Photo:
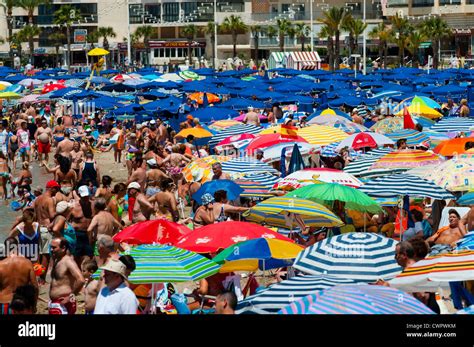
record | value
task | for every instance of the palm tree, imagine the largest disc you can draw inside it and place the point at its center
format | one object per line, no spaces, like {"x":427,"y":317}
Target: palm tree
{"x":334,"y":19}
{"x":383,"y":34}
{"x":235,"y":26}
{"x":355,"y":27}
{"x":57,"y":38}
{"x":8,"y":7}
{"x":436,"y":29}
{"x":302,"y":31}
{"x":190,"y":31}
{"x":17,"y":39}
{"x":92,"y":37}
{"x":105,"y":33}
{"x":415,"y":39}
{"x":145,"y":32}
{"x":271,"y":32}
{"x":284,"y":28}
{"x":256,"y":30}
{"x":401,"y":28}
{"x":65,"y":16}
{"x":327,"y":32}
{"x":30,"y":6}
{"x":210,"y":30}
{"x":28,"y":33}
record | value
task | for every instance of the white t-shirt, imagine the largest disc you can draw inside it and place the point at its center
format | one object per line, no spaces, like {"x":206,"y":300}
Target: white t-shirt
{"x":411,"y":232}
{"x":3,"y":139}
{"x":121,"y":300}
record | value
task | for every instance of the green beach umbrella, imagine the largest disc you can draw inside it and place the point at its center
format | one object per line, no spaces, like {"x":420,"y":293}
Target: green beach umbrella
{"x":329,"y":192}
{"x":163,"y":263}
{"x":285,"y":212}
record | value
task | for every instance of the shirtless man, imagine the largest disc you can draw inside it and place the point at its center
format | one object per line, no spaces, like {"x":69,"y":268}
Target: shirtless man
{"x":162,"y":132}
{"x":450,"y":234}
{"x":45,"y":209}
{"x":252,"y":117}
{"x":139,"y":207}
{"x":218,"y":174}
{"x":81,"y":216}
{"x":43,"y":138}
{"x":467,"y":221}
{"x":15,"y":271}
{"x":139,"y":173}
{"x":58,"y":131}
{"x":66,"y":146}
{"x":103,"y":222}
{"x":66,"y":279}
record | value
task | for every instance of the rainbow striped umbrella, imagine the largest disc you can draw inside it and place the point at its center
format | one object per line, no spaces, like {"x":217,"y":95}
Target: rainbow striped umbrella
{"x":436,"y":271}
{"x":223,"y":124}
{"x":358,"y":299}
{"x":257,"y":185}
{"x":162,"y":263}
{"x":287,"y":212}
{"x":406,"y":160}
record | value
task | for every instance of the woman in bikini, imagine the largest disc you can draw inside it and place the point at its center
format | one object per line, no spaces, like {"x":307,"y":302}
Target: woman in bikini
{"x":77,"y":157}
{"x":4,"y":174}
{"x":27,"y":232}
{"x":24,"y":179}
{"x":58,"y":132}
{"x":116,"y":200}
{"x":175,"y":162}
{"x":106,"y":190}
{"x":13,"y":149}
{"x":166,"y":201}
{"x":63,"y":174}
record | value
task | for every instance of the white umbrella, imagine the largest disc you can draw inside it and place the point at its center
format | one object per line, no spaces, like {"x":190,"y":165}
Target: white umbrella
{"x":273,"y":153}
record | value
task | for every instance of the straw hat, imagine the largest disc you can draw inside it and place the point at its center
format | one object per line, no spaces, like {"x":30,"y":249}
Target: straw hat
{"x":116,"y":266}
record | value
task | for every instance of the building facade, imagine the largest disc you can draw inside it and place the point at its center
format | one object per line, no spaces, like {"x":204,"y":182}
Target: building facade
{"x":169,"y":17}
{"x":459,"y":14}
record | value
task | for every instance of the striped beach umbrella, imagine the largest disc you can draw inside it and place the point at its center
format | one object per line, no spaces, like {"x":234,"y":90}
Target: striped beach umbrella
{"x":436,"y":271}
{"x":306,"y":177}
{"x":292,"y":212}
{"x":238,"y":167}
{"x":233,"y":130}
{"x":279,"y":295}
{"x":404,"y":159}
{"x":223,"y":124}
{"x":455,"y":175}
{"x":466,"y":199}
{"x":321,"y":134}
{"x":360,"y":167}
{"x":331,"y":152}
{"x":413,"y":137}
{"x":358,"y":299}
{"x":160,"y":263}
{"x":188,"y":75}
{"x":257,"y":184}
{"x":459,"y":124}
{"x":350,"y":127}
{"x":404,"y":184}
{"x":364,"y":257}
{"x":75,"y":83}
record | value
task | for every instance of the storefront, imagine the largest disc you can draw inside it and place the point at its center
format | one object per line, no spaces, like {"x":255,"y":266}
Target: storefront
{"x":165,"y":52}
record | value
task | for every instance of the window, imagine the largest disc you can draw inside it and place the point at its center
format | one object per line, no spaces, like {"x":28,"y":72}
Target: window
{"x":423,"y":3}
{"x":397,"y":3}
{"x":46,"y":13}
{"x":181,"y":52}
{"x":171,"y":12}
{"x":449,"y":2}
{"x":152,"y":13}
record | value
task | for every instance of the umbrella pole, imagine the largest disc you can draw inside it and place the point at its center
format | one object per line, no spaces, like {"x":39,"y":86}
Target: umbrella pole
{"x":264,"y":275}
{"x":401,"y":220}
{"x":365,"y":224}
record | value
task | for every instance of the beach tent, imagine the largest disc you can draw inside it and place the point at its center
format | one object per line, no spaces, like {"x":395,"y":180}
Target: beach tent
{"x":277,"y":59}
{"x":303,"y":61}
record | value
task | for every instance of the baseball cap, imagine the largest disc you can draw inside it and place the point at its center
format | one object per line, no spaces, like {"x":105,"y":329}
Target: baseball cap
{"x":151,"y":162}
{"x":83,"y":191}
{"x":152,"y":121}
{"x":139,"y":126}
{"x":133,"y":135}
{"x":116,"y":266}
{"x":62,"y":206}
{"x":52,"y":184}
{"x":134,"y":185}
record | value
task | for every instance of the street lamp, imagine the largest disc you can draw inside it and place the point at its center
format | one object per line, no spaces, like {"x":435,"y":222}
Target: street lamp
{"x":129,"y":43}
{"x":215,"y":35}
{"x":355,"y":56}
{"x":364,"y":45}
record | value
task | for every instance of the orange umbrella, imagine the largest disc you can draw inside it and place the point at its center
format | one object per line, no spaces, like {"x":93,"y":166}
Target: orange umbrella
{"x":199,"y":96}
{"x":449,"y":148}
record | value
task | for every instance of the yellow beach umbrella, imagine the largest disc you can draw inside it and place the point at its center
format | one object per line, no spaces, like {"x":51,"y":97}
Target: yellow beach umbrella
{"x":97,"y":52}
{"x":421,"y":110}
{"x":271,"y":130}
{"x":196,"y":132}
{"x":10,"y":95}
{"x":321,"y":134}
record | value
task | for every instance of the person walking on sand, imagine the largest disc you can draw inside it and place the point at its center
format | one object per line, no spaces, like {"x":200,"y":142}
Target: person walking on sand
{"x":66,"y":279}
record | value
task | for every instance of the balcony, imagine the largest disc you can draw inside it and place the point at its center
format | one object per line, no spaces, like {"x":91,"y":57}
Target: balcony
{"x":267,"y":42}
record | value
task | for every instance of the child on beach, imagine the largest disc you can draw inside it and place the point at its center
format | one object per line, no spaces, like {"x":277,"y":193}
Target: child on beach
{"x":91,"y":287}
